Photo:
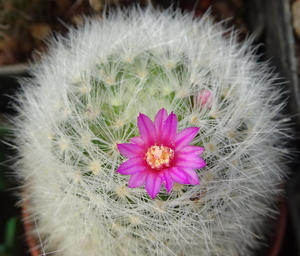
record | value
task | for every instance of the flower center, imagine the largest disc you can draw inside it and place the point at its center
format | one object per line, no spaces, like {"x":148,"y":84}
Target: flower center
{"x":159,"y":156}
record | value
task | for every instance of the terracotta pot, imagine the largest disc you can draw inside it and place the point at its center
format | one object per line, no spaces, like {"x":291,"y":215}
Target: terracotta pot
{"x":276,"y":240}
{"x":28,"y":227}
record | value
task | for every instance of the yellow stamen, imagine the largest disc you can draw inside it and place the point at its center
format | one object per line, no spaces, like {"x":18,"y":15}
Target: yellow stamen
{"x":159,"y":157}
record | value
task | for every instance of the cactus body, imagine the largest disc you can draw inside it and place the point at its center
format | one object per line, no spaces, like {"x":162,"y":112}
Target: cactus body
{"x":84,"y":99}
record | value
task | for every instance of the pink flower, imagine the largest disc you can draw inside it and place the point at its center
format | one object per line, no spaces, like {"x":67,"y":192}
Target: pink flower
{"x":161,"y":155}
{"x":205,"y":98}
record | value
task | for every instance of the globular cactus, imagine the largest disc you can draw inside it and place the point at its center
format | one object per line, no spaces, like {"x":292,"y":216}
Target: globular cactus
{"x":89,"y":110}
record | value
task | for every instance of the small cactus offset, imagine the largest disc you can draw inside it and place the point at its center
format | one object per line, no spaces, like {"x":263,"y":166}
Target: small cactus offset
{"x":150,"y":133}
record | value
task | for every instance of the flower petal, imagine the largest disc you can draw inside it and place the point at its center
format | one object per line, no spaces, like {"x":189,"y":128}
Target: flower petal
{"x":137,"y":140}
{"x":159,"y":119}
{"x":153,"y":184}
{"x":130,"y":150}
{"x":137,"y":179}
{"x":169,"y":129}
{"x":192,"y":176}
{"x":184,"y":137}
{"x":190,"y":161}
{"x":178,"y":175}
{"x":147,"y":129}
{"x":190,"y":149}
{"x":166,"y":180}
{"x":132,"y":165}
{"x":161,"y":132}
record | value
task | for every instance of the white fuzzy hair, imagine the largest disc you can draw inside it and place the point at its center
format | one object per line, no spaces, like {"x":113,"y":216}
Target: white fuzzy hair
{"x":84,"y":98}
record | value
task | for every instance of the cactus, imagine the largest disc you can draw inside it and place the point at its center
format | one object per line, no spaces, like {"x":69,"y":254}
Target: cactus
{"x":79,"y":121}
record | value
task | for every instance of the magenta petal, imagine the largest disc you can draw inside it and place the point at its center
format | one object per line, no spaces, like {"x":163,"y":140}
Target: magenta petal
{"x":147,"y":129}
{"x":189,"y":161}
{"x":184,"y":137}
{"x":191,"y":150}
{"x":192,"y":176}
{"x":178,"y":175}
{"x":159,"y":119}
{"x":137,"y":140}
{"x":153,"y":184}
{"x":159,"y":135}
{"x":130,"y":150}
{"x":166,"y":180}
{"x":132,"y":165}
{"x":168,"y":132}
{"x":137,"y":179}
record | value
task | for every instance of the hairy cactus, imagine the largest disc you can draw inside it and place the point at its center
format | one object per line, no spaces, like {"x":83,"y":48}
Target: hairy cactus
{"x":79,"y":113}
